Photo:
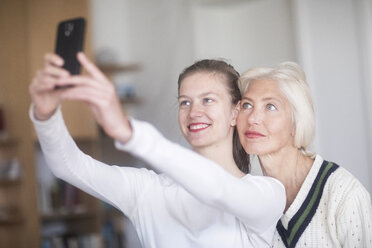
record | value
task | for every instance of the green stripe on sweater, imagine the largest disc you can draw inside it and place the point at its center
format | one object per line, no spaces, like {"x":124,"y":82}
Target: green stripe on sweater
{"x":310,"y":205}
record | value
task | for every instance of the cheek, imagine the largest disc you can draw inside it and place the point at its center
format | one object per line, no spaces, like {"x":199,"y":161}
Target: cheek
{"x":181,"y":118}
{"x":281,"y":128}
{"x":217,"y":113}
{"x":240,"y":121}
{"x":240,"y":124}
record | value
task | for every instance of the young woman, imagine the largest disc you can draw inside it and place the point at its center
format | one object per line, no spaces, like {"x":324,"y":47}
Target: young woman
{"x":197,"y":201}
{"x":326,"y":206}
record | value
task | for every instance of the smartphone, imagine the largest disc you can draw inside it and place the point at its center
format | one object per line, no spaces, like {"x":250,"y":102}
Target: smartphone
{"x":69,"y":41}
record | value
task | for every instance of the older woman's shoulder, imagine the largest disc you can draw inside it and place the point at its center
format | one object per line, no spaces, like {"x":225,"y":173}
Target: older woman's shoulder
{"x":345,"y":186}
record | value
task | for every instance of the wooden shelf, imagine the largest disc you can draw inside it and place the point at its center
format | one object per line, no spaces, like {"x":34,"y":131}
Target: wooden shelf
{"x":68,"y":215}
{"x":116,"y":68}
{"x":9,"y":182}
{"x":131,"y":100}
{"x":11,"y":221}
{"x":10,"y":216}
{"x":8,"y":142}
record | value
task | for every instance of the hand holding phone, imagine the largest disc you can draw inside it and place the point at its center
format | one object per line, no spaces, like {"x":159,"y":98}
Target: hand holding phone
{"x":70,"y":41}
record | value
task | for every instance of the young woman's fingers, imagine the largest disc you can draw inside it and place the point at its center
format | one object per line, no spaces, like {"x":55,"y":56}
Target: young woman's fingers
{"x":53,"y":59}
{"x":91,"y":68}
{"x":105,"y":107}
{"x":55,"y":71}
{"x":43,"y":82}
{"x":77,"y":81}
{"x":84,"y":93}
{"x":93,"y":96}
{"x":88,"y":81}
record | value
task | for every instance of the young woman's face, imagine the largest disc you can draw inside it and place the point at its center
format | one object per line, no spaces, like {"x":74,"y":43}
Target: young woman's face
{"x":265,"y":119}
{"x":206,"y":115}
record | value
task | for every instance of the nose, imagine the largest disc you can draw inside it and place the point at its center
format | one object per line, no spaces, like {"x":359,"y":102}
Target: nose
{"x":254,"y":117}
{"x":195,"y":110}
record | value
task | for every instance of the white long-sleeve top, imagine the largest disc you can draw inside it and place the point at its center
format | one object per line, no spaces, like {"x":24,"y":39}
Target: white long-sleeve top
{"x":327,"y":212}
{"x":193,"y":203}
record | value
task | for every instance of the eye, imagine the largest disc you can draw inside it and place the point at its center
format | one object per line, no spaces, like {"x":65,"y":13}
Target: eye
{"x":184,"y":103}
{"x":246,"y":105}
{"x":207,"y":100}
{"x":271,"y":107}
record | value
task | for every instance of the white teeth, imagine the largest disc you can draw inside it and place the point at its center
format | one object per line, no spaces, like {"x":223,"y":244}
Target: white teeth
{"x":198,"y":126}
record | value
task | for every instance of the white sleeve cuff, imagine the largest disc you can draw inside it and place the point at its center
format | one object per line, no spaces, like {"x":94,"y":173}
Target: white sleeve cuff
{"x":133,"y":142}
{"x":56,"y":115}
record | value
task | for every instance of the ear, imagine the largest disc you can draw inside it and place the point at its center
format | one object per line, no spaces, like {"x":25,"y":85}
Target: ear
{"x":235,"y":113}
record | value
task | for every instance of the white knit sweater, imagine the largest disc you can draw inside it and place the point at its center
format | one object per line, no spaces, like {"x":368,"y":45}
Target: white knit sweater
{"x":343,"y":217}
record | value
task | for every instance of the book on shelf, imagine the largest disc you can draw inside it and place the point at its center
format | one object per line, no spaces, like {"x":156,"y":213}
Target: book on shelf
{"x":10,"y":169}
{"x":55,"y":196}
{"x":60,"y":198}
{"x":113,"y":233}
{"x":9,"y":214}
{"x":87,"y":240}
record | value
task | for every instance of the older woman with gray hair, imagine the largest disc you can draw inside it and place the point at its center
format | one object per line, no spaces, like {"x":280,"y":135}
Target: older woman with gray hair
{"x":326,"y":206}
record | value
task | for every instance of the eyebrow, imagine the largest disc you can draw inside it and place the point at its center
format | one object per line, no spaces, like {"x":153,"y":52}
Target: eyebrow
{"x":201,"y":95}
{"x":266,"y":99}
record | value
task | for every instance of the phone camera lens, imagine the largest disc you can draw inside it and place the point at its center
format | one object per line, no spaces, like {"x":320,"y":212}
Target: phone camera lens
{"x":69,"y":27}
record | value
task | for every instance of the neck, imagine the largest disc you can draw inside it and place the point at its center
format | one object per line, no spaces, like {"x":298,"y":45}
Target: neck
{"x":290,"y":167}
{"x":222,"y":154}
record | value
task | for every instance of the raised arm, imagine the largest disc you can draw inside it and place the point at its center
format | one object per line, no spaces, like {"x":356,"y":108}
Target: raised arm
{"x":64,"y":157}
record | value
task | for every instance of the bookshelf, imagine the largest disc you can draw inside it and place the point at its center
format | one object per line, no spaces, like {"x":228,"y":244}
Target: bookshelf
{"x":112,"y":68}
{"x":30,"y":27}
{"x":65,"y":212}
{"x":19,"y":226}
{"x":30,"y":214}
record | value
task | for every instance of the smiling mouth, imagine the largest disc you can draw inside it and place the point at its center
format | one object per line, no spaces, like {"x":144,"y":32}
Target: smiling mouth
{"x":253,"y":135}
{"x":197,"y":127}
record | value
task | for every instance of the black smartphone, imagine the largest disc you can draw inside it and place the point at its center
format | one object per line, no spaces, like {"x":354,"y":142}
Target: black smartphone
{"x":69,"y":41}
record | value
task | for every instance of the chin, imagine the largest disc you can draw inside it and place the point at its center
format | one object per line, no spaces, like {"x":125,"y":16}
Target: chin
{"x":253,"y":150}
{"x":196,"y":143}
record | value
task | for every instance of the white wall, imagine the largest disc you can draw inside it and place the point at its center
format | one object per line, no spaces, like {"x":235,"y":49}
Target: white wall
{"x":247,"y":33}
{"x":364,"y":30}
{"x":330,"y":41}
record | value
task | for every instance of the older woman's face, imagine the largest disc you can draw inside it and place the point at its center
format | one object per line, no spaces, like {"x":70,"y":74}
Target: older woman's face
{"x":265,"y":119}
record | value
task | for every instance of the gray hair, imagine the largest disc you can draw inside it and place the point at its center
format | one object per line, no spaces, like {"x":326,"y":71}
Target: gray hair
{"x":292,"y":82}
